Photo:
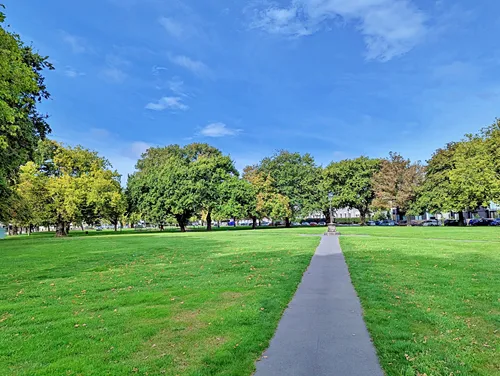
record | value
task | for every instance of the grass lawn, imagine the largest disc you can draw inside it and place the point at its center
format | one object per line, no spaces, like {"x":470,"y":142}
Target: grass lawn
{"x":431,"y":298}
{"x":208,"y":303}
{"x":145,"y":304}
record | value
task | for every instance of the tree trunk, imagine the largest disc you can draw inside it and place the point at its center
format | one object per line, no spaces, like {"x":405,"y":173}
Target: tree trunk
{"x":81,"y":226}
{"x":14,"y":230}
{"x":461,"y":219}
{"x":254,"y":222}
{"x":287,"y":222}
{"x":209,"y":221}
{"x":60,"y":229}
{"x":116,"y":226}
{"x":68,"y":225}
{"x":362,"y":218}
{"x":181,"y":222}
{"x":234,"y":222}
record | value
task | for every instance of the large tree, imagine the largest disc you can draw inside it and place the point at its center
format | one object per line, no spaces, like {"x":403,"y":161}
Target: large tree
{"x":238,"y":200}
{"x":294,"y":176}
{"x":67,"y":181}
{"x":397,"y":182}
{"x":463,"y":175}
{"x":179,"y":181}
{"x":210,"y":169}
{"x":268,"y":202}
{"x":351,"y":181}
{"x":22,"y":87}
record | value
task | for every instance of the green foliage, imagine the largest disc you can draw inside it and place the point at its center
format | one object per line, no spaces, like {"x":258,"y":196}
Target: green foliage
{"x":179,"y":181}
{"x":295,"y":177}
{"x":351,"y":182}
{"x":69,"y":185}
{"x":21,"y":125}
{"x":238,"y":199}
{"x":464,"y":175}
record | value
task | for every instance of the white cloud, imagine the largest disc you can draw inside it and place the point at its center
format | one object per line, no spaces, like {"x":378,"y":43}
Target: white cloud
{"x":171,"y":103}
{"x":172,"y":27}
{"x":115,"y":68}
{"x":218,"y":130}
{"x":390,"y":27}
{"x":72,"y":72}
{"x":195,"y":66}
{"x":138,"y":148}
{"x":176,"y":85}
{"x":78,"y":45}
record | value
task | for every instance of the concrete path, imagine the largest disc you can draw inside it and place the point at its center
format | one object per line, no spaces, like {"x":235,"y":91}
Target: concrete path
{"x":322,"y":331}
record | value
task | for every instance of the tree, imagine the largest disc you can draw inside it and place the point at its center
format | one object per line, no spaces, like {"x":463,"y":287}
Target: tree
{"x":436,"y":194}
{"x":22,"y":87}
{"x":463,"y":175}
{"x":268,"y":203}
{"x":396,"y":183}
{"x":210,"y":170}
{"x":106,"y":198}
{"x":351,"y":182}
{"x":179,"y":181}
{"x":295,"y":177}
{"x":67,"y":181}
{"x":238,"y":199}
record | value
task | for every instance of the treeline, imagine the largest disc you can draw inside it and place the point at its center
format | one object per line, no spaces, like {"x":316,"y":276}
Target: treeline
{"x":179,"y":184}
{"x":45,"y":183}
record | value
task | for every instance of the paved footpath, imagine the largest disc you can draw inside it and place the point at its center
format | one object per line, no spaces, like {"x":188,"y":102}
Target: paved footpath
{"x":322,"y":331}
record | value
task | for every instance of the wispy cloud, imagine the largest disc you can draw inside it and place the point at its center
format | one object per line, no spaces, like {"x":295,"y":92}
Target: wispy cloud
{"x":113,"y":74}
{"x":218,"y":130}
{"x":115,"y":68}
{"x":173,"y":27}
{"x":390,"y":27}
{"x":78,"y":45}
{"x":72,"y":72}
{"x":176,"y":86}
{"x":167,"y":103}
{"x":135,"y":149}
{"x":195,"y":66}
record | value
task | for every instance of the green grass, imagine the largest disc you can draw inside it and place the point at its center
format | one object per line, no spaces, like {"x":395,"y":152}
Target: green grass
{"x":145,"y":304}
{"x":432,"y":306}
{"x":208,"y":303}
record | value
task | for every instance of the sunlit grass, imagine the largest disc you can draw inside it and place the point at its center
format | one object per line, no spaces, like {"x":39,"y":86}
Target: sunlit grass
{"x":191,"y":304}
{"x":432,"y":306}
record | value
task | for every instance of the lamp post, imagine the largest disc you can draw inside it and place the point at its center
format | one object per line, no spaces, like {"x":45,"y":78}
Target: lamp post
{"x":332,"y":229}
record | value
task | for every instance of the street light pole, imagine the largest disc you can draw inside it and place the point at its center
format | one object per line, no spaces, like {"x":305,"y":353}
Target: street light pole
{"x":332,"y":229}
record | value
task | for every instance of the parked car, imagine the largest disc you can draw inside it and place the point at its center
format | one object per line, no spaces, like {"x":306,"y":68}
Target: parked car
{"x":387,"y":222}
{"x":371,"y":223}
{"x":451,"y":222}
{"x":322,"y":224}
{"x":430,"y":222}
{"x":264,"y":224}
{"x":99,"y":228}
{"x":313,"y":224}
{"x":295,"y":224}
{"x":305,"y":223}
{"x":495,"y":222}
{"x":480,"y":222}
{"x":403,"y":223}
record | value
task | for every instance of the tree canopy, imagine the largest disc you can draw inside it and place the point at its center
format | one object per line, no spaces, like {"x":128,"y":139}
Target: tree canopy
{"x":295,"y":177}
{"x":351,"y":182}
{"x":22,"y":87}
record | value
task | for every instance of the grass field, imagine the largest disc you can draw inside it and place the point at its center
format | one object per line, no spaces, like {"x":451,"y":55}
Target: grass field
{"x":432,"y":306}
{"x":208,"y":303}
{"x":145,"y":304}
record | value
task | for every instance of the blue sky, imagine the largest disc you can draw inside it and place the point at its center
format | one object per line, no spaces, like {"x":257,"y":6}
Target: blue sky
{"x":336,"y":78}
